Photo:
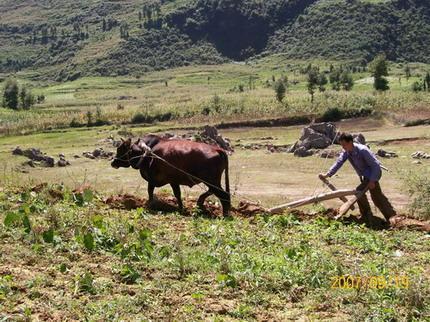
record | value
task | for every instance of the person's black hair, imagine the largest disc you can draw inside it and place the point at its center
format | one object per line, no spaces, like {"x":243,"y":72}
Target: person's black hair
{"x":346,"y":137}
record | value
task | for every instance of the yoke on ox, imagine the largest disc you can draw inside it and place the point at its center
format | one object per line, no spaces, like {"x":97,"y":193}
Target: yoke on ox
{"x":177,"y":162}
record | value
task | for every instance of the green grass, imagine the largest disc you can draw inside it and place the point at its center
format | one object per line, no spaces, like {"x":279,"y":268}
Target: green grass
{"x":97,"y":263}
{"x":76,"y":258}
{"x":193,"y":92}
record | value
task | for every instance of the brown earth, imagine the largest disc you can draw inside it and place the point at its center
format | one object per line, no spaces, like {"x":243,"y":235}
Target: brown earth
{"x":247,"y":209}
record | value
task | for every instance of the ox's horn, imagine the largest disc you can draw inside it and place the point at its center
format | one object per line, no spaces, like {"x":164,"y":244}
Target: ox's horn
{"x":144,"y":147}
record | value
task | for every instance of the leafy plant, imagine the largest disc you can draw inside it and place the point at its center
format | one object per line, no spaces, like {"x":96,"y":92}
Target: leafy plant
{"x":88,"y":240}
{"x":418,"y":187}
{"x":128,"y":274}
{"x":226,"y":280}
{"x":85,"y":284}
{"x":48,"y":236}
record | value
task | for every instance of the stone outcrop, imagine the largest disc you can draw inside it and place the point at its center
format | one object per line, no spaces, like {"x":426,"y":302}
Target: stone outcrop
{"x":319,"y":136}
{"x":38,"y":158}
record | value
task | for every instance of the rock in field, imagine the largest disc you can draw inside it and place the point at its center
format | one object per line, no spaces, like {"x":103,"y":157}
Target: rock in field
{"x":38,"y":158}
{"x":319,"y":136}
{"x":209,"y":135}
{"x":99,"y":153}
{"x":420,"y":155}
{"x":386,"y":154}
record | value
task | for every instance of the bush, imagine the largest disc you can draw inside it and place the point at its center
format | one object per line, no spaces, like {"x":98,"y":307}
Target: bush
{"x":75,"y":123}
{"x":141,"y":118}
{"x":417,"y":86}
{"x":146,"y":118}
{"x":418,"y":187}
{"x":335,"y":114}
{"x":280,"y":90}
{"x":10,"y":94}
{"x":332,"y":115}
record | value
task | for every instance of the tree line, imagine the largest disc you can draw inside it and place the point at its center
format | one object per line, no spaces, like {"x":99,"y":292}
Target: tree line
{"x":16,"y":97}
{"x":340,"y":78}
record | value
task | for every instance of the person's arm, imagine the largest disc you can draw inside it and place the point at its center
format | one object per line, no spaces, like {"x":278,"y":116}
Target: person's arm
{"x":337,"y":165}
{"x":373,"y":163}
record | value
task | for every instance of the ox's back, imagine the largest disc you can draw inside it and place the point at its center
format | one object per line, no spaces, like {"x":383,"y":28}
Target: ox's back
{"x":183,"y":157}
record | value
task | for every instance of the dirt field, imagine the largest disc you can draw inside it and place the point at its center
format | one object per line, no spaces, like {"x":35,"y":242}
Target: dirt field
{"x":258,"y":175}
{"x":85,"y":255}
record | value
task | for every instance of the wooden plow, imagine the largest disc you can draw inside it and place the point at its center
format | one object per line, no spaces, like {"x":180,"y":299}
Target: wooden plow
{"x":341,"y":194}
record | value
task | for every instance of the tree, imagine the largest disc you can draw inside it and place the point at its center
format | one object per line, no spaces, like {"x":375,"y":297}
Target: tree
{"x":34,"y":36}
{"x":22,"y":95}
{"x":335,"y":79}
{"x":312,"y":82}
{"x":28,"y":100}
{"x":427,"y":81}
{"x":123,"y":30}
{"x":280,"y":90}
{"x":407,"y":72}
{"x":10,"y":94}
{"x":379,"y":69}
{"x":45,"y":37}
{"x":417,"y":86}
{"x":322,"y":81}
{"x":346,"y":81}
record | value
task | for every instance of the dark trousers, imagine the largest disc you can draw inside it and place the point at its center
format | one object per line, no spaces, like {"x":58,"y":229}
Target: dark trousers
{"x":380,"y":201}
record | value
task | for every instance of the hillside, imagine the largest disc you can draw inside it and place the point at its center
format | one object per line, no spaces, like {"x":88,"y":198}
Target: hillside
{"x":64,"y":40}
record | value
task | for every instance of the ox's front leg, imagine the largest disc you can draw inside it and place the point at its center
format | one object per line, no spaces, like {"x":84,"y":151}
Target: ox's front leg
{"x":151,"y":188}
{"x":177,"y":192}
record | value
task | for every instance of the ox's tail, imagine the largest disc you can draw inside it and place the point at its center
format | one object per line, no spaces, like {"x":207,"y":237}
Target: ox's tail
{"x":227,"y":180}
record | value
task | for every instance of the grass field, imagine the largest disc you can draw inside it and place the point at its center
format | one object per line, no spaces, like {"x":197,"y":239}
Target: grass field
{"x":70,"y":256}
{"x":268,"y":177}
{"x":207,"y":94}
{"x":80,"y":259}
{"x":104,"y":264}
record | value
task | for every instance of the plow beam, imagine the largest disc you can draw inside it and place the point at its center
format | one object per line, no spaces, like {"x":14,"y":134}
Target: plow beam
{"x":314,"y":199}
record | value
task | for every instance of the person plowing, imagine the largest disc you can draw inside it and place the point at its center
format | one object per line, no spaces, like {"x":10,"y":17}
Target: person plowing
{"x":369,"y":170}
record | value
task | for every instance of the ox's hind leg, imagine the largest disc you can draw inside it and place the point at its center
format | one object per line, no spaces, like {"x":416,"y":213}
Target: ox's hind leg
{"x":177,"y":192}
{"x":223,"y":196}
{"x":203,"y":197}
{"x":225,"y":199}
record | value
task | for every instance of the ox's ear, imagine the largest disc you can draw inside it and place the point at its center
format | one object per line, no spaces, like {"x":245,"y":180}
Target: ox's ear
{"x":128,"y":141}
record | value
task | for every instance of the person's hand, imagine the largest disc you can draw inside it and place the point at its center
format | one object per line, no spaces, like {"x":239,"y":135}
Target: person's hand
{"x":372,"y":185}
{"x":323,"y":175}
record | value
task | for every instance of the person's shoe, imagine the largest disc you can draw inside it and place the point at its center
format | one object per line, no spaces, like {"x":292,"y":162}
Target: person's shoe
{"x":378,"y":224}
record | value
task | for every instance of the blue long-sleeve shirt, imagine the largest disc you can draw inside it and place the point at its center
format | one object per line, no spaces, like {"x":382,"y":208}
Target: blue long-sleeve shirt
{"x":363,"y":161}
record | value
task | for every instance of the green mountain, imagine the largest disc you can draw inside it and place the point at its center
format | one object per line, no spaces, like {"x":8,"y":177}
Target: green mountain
{"x":64,"y":40}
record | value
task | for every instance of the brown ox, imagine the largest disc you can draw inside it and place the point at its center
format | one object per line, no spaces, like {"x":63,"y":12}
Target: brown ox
{"x":188,"y":163}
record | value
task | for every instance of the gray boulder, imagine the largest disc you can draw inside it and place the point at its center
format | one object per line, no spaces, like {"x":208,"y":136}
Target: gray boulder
{"x":386,"y":154}
{"x":314,"y":136}
{"x":420,"y":155}
{"x":359,"y":138}
{"x":326,"y":129}
{"x":303,"y":152}
{"x":320,"y":136}
{"x":36,"y":157}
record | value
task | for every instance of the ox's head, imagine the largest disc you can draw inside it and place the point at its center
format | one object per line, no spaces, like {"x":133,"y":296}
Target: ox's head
{"x":123,"y":155}
{"x":130,"y":154}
